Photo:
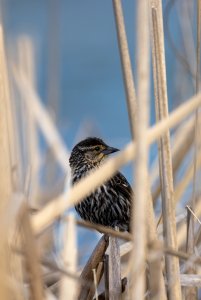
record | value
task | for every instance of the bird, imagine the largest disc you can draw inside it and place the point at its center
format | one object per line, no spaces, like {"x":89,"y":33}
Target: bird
{"x":110,"y":204}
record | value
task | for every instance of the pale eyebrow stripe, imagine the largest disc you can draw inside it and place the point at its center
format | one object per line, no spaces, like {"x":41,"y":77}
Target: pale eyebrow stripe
{"x":91,"y":147}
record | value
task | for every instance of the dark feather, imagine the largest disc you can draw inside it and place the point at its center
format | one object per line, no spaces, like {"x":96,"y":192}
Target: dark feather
{"x":110,"y":204}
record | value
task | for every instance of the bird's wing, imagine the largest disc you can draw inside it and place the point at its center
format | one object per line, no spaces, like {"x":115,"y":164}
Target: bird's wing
{"x":122,"y":186}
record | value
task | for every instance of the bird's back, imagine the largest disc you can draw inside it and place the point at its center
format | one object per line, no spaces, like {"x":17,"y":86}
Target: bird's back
{"x":109,"y":205}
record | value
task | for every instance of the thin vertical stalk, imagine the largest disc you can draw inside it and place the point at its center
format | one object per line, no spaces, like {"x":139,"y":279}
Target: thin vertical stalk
{"x":106,"y":276}
{"x":190,"y":292}
{"x":92,"y":263}
{"x":197,"y":143}
{"x":185,"y":181}
{"x":26,"y":66}
{"x":198,"y":46}
{"x":114,"y":269}
{"x":182,"y":142}
{"x":68,"y":288}
{"x":126,"y":64}
{"x":181,"y":234}
{"x":165,"y":161}
{"x":11,"y":265}
{"x":53,"y":67}
{"x":95,"y":284}
{"x":5,"y":167}
{"x":184,"y":11}
{"x":139,"y":212}
{"x":31,"y":256}
{"x":98,"y":275}
{"x":157,"y":286}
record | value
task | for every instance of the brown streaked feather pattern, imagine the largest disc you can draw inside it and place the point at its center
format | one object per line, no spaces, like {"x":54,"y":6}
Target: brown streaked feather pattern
{"x":110,"y":204}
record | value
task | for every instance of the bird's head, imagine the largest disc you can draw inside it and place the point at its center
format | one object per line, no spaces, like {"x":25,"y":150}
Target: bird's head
{"x":90,"y":152}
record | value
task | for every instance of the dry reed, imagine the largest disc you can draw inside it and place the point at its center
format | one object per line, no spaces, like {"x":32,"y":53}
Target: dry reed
{"x":126,"y":64}
{"x":137,"y":288}
{"x":11,"y":271}
{"x":68,"y":286}
{"x":165,"y":160}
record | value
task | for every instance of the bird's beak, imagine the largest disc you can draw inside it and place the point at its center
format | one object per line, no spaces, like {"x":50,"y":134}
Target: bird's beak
{"x":109,"y":150}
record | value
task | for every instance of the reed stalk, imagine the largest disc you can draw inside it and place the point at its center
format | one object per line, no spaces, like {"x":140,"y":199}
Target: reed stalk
{"x":31,"y":257}
{"x":126,"y":64}
{"x":191,"y":293}
{"x":165,"y":160}
{"x":26,"y":65}
{"x":11,"y":271}
{"x":68,"y":287}
{"x":138,"y":255}
{"x":114,"y":265}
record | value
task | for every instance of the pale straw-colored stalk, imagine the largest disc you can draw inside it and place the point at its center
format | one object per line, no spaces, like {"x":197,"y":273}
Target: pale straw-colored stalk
{"x":138,"y":255}
{"x":26,"y":65}
{"x":191,"y":292}
{"x":157,"y":285}
{"x":181,"y":143}
{"x":181,"y":234}
{"x":92,"y":263}
{"x":197,"y":142}
{"x":114,"y":269}
{"x":68,"y":287}
{"x":126,"y":64}
{"x":185,"y":180}
{"x":8,"y":260}
{"x":53,"y":57}
{"x":32,"y":264}
{"x":165,"y":160}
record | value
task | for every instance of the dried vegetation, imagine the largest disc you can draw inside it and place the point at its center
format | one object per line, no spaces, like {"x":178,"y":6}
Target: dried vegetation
{"x":160,"y":259}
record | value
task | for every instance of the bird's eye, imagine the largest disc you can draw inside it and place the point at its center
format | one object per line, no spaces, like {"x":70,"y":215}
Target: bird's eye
{"x":97,"y":148}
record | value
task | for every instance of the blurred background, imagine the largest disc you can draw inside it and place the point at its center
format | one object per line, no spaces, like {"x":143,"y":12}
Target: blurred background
{"x":77,"y":77}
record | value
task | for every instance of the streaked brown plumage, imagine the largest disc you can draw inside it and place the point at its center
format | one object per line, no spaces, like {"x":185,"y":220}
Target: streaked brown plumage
{"x":110,"y":204}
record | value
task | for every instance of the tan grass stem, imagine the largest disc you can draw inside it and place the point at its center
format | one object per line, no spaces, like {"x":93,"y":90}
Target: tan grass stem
{"x":165,"y":159}
{"x":31,"y":256}
{"x":138,"y":255}
{"x":8,"y":160}
{"x":126,"y":64}
{"x":68,"y":286}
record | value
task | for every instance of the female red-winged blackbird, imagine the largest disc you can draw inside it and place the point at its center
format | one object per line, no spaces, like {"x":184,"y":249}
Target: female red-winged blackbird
{"x":110,"y":204}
